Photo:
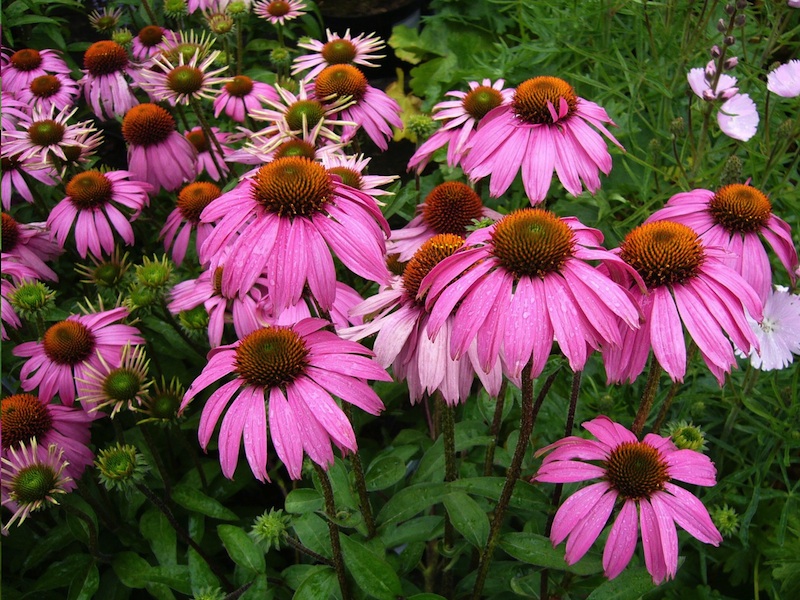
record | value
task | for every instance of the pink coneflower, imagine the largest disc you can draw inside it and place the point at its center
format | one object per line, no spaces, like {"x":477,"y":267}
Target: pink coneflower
{"x":69,"y":347}
{"x":778,"y":333}
{"x":400,"y":319}
{"x":31,"y":479}
{"x":12,"y":110}
{"x":688,"y":284}
{"x":450,"y":207}
{"x":105,"y":87}
{"x":546,"y":127}
{"x":287,"y":375}
{"x":522,"y":284}
{"x":23,"y":66}
{"x":26,"y":417}
{"x":241,"y":95}
{"x":93,"y":204}
{"x":284,"y":220}
{"x":105,"y":20}
{"x":149,"y":41}
{"x":29,"y":244}
{"x":117,"y":385}
{"x":183,"y":81}
{"x":733,"y":217}
{"x":338,"y":50}
{"x":18,"y":273}
{"x":351,"y":170}
{"x":371,"y":108}
{"x":50,"y":90}
{"x":340,"y":313}
{"x":785,"y":79}
{"x":191,"y":201}
{"x":278,"y":12}
{"x":157,"y":153}
{"x":13,"y":181}
{"x":263,"y":147}
{"x":45,"y":132}
{"x":639,"y":474}
{"x":461,"y":118}
{"x":205,"y":147}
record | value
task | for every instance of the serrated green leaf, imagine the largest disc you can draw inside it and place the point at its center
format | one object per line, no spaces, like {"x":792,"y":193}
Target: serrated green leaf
{"x":303,"y":500}
{"x":241,"y":548}
{"x":468,"y":518}
{"x":537,"y":550}
{"x":371,"y":572}
{"x":193,"y":499}
{"x":384,"y":472}
{"x":319,"y":585}
{"x":156,"y":529}
{"x":409,"y":501}
{"x":631,"y":584}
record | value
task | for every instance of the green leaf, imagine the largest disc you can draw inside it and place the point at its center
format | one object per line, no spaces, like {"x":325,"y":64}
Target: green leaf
{"x":537,"y":550}
{"x":371,"y":572}
{"x":156,"y":529}
{"x":131,"y":569}
{"x":242,"y":550}
{"x":193,"y":499}
{"x":409,"y":501}
{"x":525,"y":495}
{"x":319,"y":585}
{"x":200,"y":574}
{"x":84,"y":583}
{"x":174,"y":576}
{"x":257,"y":591}
{"x":426,"y":596}
{"x":313,"y":532}
{"x":420,"y":529}
{"x":631,"y":584}
{"x":384,"y":472}
{"x":303,"y":500}
{"x":468,"y":518}
{"x":59,"y":574}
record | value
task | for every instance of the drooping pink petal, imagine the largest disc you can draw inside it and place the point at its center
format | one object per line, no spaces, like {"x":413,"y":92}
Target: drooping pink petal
{"x":621,"y":541}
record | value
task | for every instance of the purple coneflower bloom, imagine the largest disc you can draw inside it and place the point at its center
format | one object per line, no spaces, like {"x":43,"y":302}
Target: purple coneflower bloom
{"x":29,"y":244}
{"x":340,"y":313}
{"x":149,"y":41}
{"x":640,"y":475}
{"x":45,"y":132}
{"x":50,"y":90}
{"x":119,"y":385}
{"x":778,"y":333}
{"x":105,"y":87}
{"x":546,"y":127}
{"x":461,"y":118}
{"x":278,"y":12}
{"x":181,"y":82}
{"x":241,"y":95}
{"x":13,"y":180}
{"x":286,"y":375}
{"x":191,"y":201}
{"x":351,"y":170}
{"x":68,"y":347}
{"x":785,"y":79}
{"x":23,"y":66}
{"x":338,"y":50}
{"x":523,"y":283}
{"x":207,"y":152}
{"x":18,"y":273}
{"x":688,"y":284}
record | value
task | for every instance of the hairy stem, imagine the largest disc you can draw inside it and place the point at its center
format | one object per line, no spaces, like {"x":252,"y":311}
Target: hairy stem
{"x":333,"y":530}
{"x":650,"y":389}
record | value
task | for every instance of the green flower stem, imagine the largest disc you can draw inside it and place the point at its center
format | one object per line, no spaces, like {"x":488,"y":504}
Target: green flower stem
{"x":201,"y":118}
{"x":184,"y":535}
{"x":650,"y":389}
{"x":162,"y":470}
{"x":450,"y":474}
{"x":236,"y":594}
{"x":297,"y":545}
{"x":333,"y":530}
{"x":149,"y":10}
{"x":92,"y":533}
{"x":239,"y":47}
{"x":361,"y":484}
{"x":191,"y":450}
{"x":527,"y":419}
{"x":497,"y":421}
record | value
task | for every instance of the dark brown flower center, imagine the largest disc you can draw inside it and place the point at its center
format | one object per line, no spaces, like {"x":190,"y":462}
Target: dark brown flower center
{"x":309,"y":111}
{"x":663,"y":252}
{"x":23,"y":416}
{"x":740,"y":208}
{"x":394,"y":265}
{"x":27,"y":59}
{"x":278,"y":8}
{"x":105,"y":57}
{"x":349,"y":176}
{"x":451,"y":206}
{"x":198,"y":140}
{"x":10,"y":233}
{"x":533,"y":96}
{"x":532,"y":242}
{"x":339,"y":81}
{"x":68,"y":343}
{"x":45,"y":86}
{"x":339,"y":52}
{"x":636,"y":470}
{"x":147,"y":125}
{"x":292,"y":186}
{"x":430,"y":254}
{"x":298,"y":148}
{"x":151,"y":35}
{"x":88,"y":190}
{"x":195,"y":197}
{"x":185,"y":79}
{"x":271,"y":357}
{"x":46,"y":133}
{"x":240,"y":86}
{"x":217,"y":281}
{"x":481,"y":100}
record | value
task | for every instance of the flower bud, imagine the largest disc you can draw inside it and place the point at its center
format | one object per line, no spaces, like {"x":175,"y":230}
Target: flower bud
{"x":270,"y":528}
{"x":728,"y":94}
{"x":726,"y":519}
{"x":121,"y":466}
{"x":709,"y":96}
{"x":280,"y":58}
{"x":721,"y":26}
{"x":741,"y":4}
{"x":123,"y":37}
{"x":732,"y":171}
{"x":740,"y":20}
{"x":686,"y":436}
{"x":710,"y":71}
{"x":175,"y":8}
{"x":715,"y":51}
{"x":729,"y":40}
{"x":730,"y":63}
{"x":32,"y":299}
{"x":422,"y":125}
{"x":676,"y":127}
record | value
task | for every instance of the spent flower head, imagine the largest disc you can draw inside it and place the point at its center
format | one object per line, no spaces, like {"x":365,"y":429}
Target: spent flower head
{"x":686,"y":435}
{"x":121,"y":467}
{"x":726,"y":519}
{"x":270,"y":528}
{"x":162,"y":402}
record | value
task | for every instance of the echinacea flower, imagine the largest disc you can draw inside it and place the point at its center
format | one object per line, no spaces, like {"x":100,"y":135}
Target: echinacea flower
{"x":278,"y":12}
{"x":778,"y":333}
{"x":687,"y":284}
{"x":69,"y":347}
{"x":92,"y":205}
{"x":340,"y":313}
{"x":398,"y":315}
{"x":23,"y":66}
{"x":12,"y":110}
{"x":14,"y":170}
{"x":157,"y":153}
{"x":31,"y":479}
{"x":106,"y":19}
{"x":352,"y":171}
{"x":546,"y":127}
{"x":105,"y":87}
{"x":284,"y":382}
{"x":785,"y":79}
{"x":524,"y":283}
{"x":191,"y":201}
{"x":450,"y":207}
{"x":241,"y":95}
{"x":26,"y":417}
{"x":182,"y":81}
{"x":149,"y":41}
{"x":208,"y":155}
{"x":734,"y":217}
{"x":44,"y":133}
{"x":29,"y":244}
{"x":50,"y":90}
{"x":118,"y":385}
{"x":461,"y":118}
{"x":284,"y":221}
{"x":369,"y":108}
{"x":338,"y":50}
{"x":639,"y":474}
{"x":18,"y":273}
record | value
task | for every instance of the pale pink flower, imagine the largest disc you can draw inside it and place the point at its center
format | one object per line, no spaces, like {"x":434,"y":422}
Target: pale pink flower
{"x":205,"y":148}
{"x":23,"y":66}
{"x":785,"y":79}
{"x":13,"y":180}
{"x":338,"y":50}
{"x":105,"y":85}
{"x":12,"y":110}
{"x":735,"y":217}
{"x":29,"y":244}
{"x":738,"y":117}
{"x":687,"y":284}
{"x":639,"y":475}
{"x":523,"y":283}
{"x":461,"y":118}
{"x":68,"y":347}
{"x":98,"y":204}
{"x":778,"y":333}
{"x":546,"y":127}
{"x":701,"y":80}
{"x":178,"y":227}
{"x":241,"y":95}
{"x":284,"y":380}
{"x":278,"y":12}
{"x":57,"y":90}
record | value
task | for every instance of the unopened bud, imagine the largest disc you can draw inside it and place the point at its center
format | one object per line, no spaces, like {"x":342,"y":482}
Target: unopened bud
{"x":730,"y":63}
{"x":121,"y":466}
{"x":729,"y":40}
{"x":728,"y":94}
{"x":741,"y":4}
{"x":730,"y":9}
{"x":686,"y":436}
{"x":731,"y":172}
{"x":709,"y":96}
{"x":123,"y":36}
{"x":785,"y":130}
{"x":726,"y":519}
{"x":710,"y":71}
{"x":739,"y":20}
{"x":676,"y":127}
{"x":721,"y":26}
{"x":715,"y":51}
